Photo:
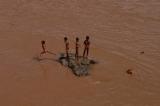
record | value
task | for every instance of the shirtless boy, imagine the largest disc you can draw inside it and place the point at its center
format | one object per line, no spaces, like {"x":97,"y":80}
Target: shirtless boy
{"x":86,"y":47}
{"x":67,"y":46}
{"x":43,"y":43}
{"x":77,"y":49}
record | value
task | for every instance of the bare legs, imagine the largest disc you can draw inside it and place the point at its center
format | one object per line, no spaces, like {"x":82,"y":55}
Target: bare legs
{"x":77,"y":56}
{"x":85,"y":53}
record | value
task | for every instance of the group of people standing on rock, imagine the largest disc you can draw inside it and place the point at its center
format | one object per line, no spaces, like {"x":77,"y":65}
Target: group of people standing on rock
{"x":77,"y":45}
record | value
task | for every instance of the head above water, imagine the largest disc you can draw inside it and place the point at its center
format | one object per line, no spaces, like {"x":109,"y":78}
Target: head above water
{"x":65,"y":39}
{"x":43,"y":41}
{"x":77,"y":39}
{"x":87,"y":37}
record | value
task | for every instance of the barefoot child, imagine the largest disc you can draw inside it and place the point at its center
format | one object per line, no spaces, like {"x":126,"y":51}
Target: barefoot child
{"x":43,"y":43}
{"x":77,"y":50}
{"x":66,"y":47}
{"x":86,"y":47}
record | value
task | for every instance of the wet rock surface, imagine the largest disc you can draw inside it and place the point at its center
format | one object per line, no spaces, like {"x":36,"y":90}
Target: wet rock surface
{"x":80,"y":68}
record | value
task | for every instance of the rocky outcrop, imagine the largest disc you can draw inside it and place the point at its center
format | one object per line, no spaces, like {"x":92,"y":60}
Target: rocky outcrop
{"x":80,"y":68}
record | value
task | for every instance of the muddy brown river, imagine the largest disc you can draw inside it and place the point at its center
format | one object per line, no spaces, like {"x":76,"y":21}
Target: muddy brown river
{"x":124,"y":35}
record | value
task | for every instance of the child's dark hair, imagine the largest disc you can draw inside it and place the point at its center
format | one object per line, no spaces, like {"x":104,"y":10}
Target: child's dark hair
{"x":43,"y":41}
{"x":87,"y":37}
{"x":65,"y":38}
{"x":77,"y":39}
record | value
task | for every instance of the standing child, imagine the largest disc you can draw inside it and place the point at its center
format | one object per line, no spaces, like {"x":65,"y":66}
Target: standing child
{"x":86,"y":47}
{"x":67,"y":47}
{"x":43,"y":43}
{"x":77,"y":50}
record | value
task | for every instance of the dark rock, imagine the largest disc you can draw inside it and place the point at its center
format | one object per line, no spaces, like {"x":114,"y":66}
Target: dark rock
{"x":93,"y":62}
{"x":64,"y":62}
{"x":80,"y":68}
